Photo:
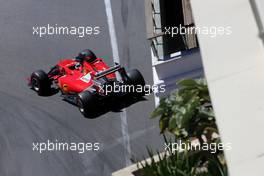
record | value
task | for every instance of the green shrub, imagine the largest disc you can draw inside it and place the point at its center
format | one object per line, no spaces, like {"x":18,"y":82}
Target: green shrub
{"x":187,"y":114}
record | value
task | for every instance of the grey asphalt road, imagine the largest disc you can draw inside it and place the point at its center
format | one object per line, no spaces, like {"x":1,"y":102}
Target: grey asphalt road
{"x":26,"y":118}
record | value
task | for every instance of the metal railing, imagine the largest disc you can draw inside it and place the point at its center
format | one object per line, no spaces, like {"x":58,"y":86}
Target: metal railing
{"x":158,"y":36}
{"x":156,"y":41}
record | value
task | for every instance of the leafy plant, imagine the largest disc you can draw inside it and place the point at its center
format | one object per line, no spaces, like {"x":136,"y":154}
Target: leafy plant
{"x":172,"y":164}
{"x":179,"y":163}
{"x":187,"y":114}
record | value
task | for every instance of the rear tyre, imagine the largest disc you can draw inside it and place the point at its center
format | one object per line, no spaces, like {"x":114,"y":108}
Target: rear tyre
{"x":40,"y":82}
{"x":87,"y":104}
{"x":136,"y":79}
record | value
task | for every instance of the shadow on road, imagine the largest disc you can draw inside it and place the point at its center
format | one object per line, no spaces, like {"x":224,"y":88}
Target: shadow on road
{"x":117,"y":105}
{"x":114,"y":105}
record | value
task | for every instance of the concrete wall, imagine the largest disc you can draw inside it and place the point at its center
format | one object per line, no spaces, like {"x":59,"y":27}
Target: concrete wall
{"x":234,"y":67}
{"x":187,"y":65}
{"x":260,"y":5}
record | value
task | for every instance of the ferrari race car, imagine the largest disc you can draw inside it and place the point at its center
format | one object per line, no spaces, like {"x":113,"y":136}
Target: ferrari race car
{"x":86,"y":80}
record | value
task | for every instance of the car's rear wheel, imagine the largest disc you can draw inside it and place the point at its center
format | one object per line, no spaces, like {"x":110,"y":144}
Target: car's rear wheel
{"x":40,"y":82}
{"x":136,"y":79}
{"x":87,"y":104}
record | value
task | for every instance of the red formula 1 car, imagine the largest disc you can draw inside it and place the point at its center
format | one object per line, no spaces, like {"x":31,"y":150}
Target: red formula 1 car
{"x":87,"y":81}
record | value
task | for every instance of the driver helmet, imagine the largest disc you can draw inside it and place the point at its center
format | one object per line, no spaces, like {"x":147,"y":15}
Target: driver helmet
{"x":86,"y":55}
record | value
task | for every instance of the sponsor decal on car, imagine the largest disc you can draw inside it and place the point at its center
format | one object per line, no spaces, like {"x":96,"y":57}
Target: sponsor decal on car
{"x":87,"y":78}
{"x":65,"y":87}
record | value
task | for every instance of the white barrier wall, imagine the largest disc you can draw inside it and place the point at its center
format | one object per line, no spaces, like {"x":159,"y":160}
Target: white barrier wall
{"x":168,"y":73}
{"x":234,"y":67}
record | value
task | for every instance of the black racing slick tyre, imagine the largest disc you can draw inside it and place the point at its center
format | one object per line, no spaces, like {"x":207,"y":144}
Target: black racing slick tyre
{"x":40,"y":82}
{"x":87,"y":104}
{"x":136,"y":79}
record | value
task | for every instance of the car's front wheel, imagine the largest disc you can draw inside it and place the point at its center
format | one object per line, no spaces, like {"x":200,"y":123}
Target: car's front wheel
{"x":40,"y":82}
{"x":87,"y":104}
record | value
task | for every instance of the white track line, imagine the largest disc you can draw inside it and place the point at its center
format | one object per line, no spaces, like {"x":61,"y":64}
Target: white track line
{"x":114,"y":45}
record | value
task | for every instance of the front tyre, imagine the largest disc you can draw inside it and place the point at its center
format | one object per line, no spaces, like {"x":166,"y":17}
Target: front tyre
{"x":87,"y":104}
{"x":40,"y":82}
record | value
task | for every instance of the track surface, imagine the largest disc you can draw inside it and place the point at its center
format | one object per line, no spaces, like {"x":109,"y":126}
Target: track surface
{"x":26,"y":118}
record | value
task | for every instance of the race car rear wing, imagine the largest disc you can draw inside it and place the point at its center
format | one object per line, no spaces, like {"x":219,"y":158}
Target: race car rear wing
{"x":108,"y":71}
